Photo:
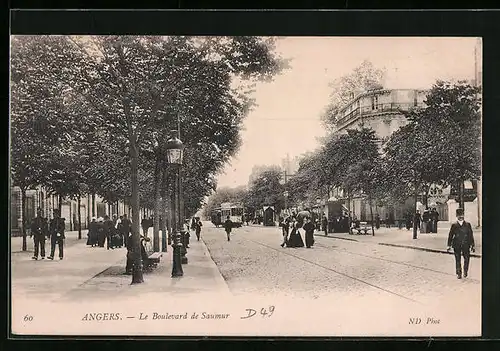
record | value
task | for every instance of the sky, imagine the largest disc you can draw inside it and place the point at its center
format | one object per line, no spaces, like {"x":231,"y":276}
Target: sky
{"x":287,"y":117}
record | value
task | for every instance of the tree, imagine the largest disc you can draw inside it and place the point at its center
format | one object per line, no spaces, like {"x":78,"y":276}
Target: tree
{"x":310,"y":181}
{"x":266,"y":190}
{"x":344,"y":151}
{"x":452,"y":115}
{"x":413,"y":162}
{"x":131,"y":85}
{"x":364,"y":77}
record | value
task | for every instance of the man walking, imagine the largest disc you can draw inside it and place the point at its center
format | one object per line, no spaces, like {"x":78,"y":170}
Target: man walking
{"x":228,"y":226}
{"x":39,"y":230}
{"x":286,"y":230}
{"x":324,"y":225}
{"x":125,"y":229}
{"x":56,"y":232}
{"x":461,"y":239}
{"x":197,"y":228}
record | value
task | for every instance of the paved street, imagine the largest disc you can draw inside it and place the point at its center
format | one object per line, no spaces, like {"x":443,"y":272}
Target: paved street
{"x":254,"y":263}
{"x":356,"y":281}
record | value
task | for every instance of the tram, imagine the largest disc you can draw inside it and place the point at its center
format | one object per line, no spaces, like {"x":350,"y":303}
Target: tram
{"x":234,"y":211}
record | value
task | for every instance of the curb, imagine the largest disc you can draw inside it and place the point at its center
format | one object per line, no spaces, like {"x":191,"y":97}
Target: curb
{"x":426,"y":249}
{"x":221,"y":282}
{"x":398,"y":245}
{"x":336,"y":237}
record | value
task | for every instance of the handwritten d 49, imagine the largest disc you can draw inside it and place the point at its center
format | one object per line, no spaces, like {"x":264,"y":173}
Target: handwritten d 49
{"x":264,"y":312}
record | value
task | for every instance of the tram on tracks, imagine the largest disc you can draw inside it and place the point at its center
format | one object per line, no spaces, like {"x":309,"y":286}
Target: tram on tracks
{"x":233,"y":210}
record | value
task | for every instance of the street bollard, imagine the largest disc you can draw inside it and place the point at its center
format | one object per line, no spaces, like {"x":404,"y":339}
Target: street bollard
{"x":184,"y":238}
{"x":177,"y":261}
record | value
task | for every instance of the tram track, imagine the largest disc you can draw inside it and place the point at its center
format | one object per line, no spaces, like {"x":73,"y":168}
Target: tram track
{"x":334,"y":271}
{"x":388,"y":260}
{"x":391,"y":261}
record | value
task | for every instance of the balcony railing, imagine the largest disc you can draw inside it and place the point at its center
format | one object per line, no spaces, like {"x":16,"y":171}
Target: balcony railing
{"x":368,"y":110}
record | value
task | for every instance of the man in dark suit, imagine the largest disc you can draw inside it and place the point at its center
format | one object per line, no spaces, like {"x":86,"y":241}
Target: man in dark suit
{"x":462,"y":241}
{"x":56,"y":231}
{"x":228,"y":226}
{"x":39,"y":230}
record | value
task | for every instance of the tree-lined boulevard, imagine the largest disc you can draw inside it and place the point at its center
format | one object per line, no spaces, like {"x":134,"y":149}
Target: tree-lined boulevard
{"x":91,"y":115}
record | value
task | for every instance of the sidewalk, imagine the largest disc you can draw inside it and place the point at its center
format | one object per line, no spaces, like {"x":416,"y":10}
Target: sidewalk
{"x":432,"y":242}
{"x":201,"y":278}
{"x":16,"y":242}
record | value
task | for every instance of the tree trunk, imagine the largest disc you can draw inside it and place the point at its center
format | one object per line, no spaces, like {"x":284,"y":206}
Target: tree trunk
{"x":88,"y":209}
{"x":371,"y":215}
{"x":79,"y":218}
{"x":461,"y":190}
{"x":349,"y":218}
{"x":156,"y":219}
{"x":415,"y":228}
{"x":137,"y":276}
{"x":93,"y":205}
{"x":59,"y":207}
{"x":24,"y":219}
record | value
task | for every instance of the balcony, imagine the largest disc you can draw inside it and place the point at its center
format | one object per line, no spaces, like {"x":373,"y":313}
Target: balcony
{"x":381,"y":108}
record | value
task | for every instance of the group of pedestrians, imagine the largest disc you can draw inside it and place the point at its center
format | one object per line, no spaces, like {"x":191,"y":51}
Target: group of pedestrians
{"x":426,"y":222}
{"x":294,"y":238}
{"x":112,"y":233}
{"x":42,"y":229}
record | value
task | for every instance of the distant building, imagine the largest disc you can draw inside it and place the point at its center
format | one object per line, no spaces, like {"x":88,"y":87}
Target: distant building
{"x":289,"y":166}
{"x":379,"y":110}
{"x":41,"y":198}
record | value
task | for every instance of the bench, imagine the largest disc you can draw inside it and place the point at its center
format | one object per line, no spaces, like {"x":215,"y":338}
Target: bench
{"x":362,"y":229}
{"x":150,"y":259}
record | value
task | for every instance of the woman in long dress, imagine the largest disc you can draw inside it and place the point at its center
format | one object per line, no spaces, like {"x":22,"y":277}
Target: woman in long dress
{"x":92,"y":233}
{"x":309,"y":229}
{"x":295,"y":239}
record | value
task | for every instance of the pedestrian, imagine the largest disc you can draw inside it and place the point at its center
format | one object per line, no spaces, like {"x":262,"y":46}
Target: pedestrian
{"x":377,"y":221}
{"x":109,"y":231}
{"x":408,"y":220}
{"x":387,"y":221}
{"x":125,"y":229}
{"x":193,"y":223}
{"x":228,"y":226}
{"x":425,"y":221}
{"x":285,"y":230}
{"x":56,"y":232}
{"x":197,"y":228}
{"x":417,"y":219}
{"x":324,"y":224}
{"x":39,"y":231}
{"x":101,"y":232}
{"x":309,"y":232}
{"x":92,"y":233}
{"x":295,"y":239}
{"x":145,"y":226}
{"x":461,"y":239}
{"x":434,"y":219}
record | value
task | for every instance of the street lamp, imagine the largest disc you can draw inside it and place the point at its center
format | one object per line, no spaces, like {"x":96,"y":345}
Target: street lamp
{"x":285,"y":194}
{"x":174,"y":150}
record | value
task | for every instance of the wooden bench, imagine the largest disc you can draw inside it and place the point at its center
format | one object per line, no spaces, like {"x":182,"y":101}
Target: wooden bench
{"x":150,"y":259}
{"x":363,"y":228}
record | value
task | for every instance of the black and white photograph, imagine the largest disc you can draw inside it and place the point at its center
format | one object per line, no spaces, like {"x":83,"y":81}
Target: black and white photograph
{"x":293,"y":186}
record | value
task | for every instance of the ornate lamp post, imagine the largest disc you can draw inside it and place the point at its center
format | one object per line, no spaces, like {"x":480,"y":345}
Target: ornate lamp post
{"x":174,"y":149}
{"x":286,"y":194}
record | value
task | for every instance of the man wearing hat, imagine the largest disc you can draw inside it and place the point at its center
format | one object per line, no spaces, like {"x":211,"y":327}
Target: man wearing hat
{"x":56,"y":231}
{"x":39,"y":230}
{"x":461,"y":239}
